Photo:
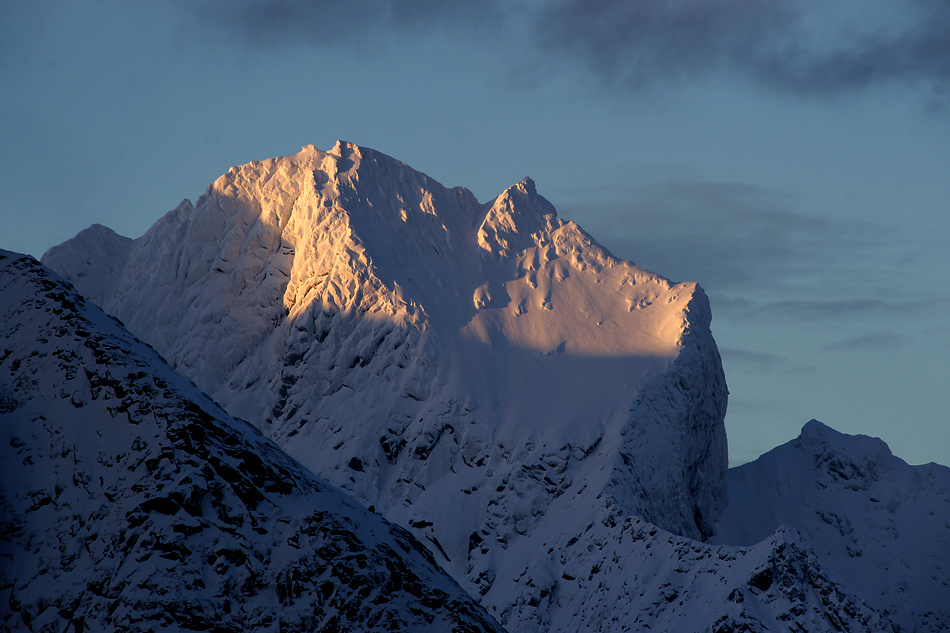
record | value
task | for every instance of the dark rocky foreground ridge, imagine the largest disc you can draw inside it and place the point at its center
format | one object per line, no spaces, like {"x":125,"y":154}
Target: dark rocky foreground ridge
{"x":130,"y":502}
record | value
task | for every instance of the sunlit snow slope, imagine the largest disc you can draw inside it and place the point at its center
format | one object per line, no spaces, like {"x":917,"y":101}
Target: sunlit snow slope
{"x":469,"y":370}
{"x":130,"y":502}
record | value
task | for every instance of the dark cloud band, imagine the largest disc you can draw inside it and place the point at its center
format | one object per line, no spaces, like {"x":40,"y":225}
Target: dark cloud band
{"x":772,"y":43}
{"x":332,"y":22}
{"x":797,"y":46}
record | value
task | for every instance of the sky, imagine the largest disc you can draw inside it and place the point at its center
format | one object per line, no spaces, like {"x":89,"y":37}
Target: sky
{"x":791,"y":156}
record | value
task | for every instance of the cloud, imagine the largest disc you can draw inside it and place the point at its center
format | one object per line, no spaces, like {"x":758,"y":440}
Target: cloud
{"x":875,"y":342}
{"x":758,"y":360}
{"x":799,"y":46}
{"x":727,"y":236}
{"x":821,"y":309}
{"x":322,"y":23}
{"x":762,"y":260}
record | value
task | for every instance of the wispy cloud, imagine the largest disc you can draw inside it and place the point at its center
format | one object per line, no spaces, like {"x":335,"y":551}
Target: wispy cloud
{"x":323,"y":23}
{"x":763,"y":261}
{"x":874,"y":342}
{"x":728,"y":236}
{"x":758,"y":360}
{"x":798,"y":46}
{"x":821,"y":309}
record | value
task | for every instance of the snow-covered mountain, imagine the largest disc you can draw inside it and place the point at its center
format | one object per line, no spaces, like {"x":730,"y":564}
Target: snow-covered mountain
{"x":465,"y":369}
{"x":883,"y":526}
{"x":130,"y":502}
{"x":545,"y":418}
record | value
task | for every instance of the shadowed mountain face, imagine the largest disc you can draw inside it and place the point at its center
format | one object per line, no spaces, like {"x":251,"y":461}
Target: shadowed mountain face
{"x":130,"y":501}
{"x":882,"y":525}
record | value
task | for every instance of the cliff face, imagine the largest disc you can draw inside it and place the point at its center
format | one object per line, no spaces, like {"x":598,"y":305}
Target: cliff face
{"x":130,"y":501}
{"x":471,"y":371}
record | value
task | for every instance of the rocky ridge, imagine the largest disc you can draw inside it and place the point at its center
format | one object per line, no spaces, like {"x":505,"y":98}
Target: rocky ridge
{"x":129,"y":501}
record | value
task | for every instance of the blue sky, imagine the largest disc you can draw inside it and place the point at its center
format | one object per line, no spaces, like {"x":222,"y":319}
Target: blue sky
{"x":791,"y":156}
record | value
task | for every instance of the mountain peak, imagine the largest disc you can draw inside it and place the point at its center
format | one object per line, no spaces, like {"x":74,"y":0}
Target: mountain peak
{"x":830,"y":446}
{"x":880,"y":523}
{"x":436,"y":357}
{"x":514,"y":217}
{"x":525,"y":191}
{"x":343,"y":148}
{"x":526,"y":185}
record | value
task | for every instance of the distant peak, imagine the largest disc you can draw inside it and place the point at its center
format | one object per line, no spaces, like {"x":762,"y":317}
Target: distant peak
{"x":814,"y":427}
{"x":821,"y":439}
{"x":98,"y":228}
